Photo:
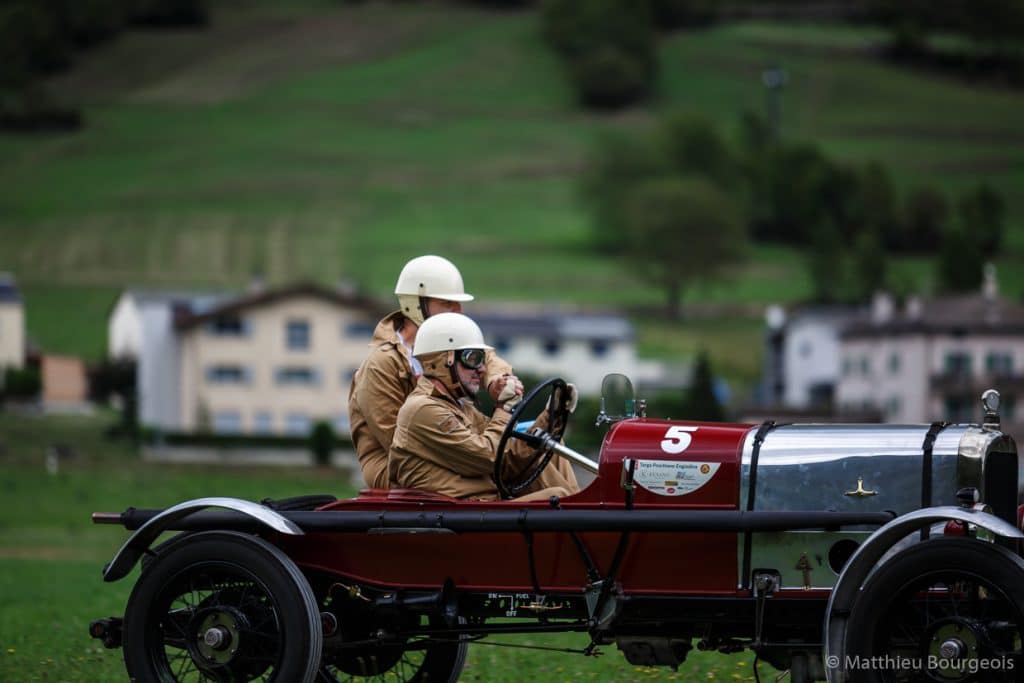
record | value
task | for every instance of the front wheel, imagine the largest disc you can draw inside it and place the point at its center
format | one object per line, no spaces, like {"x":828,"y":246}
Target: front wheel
{"x":222,"y":606}
{"x":943,"y":611}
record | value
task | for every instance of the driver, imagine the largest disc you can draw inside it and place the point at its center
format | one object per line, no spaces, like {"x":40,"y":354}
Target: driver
{"x":442,"y":443}
{"x":427,"y":285}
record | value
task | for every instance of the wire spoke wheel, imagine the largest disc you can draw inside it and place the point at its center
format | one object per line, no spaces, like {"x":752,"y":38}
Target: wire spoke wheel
{"x":221,"y":607}
{"x":402,"y":660}
{"x":944,"y":611}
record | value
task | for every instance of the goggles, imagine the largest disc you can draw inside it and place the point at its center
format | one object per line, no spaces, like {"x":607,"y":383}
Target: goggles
{"x":471,"y":358}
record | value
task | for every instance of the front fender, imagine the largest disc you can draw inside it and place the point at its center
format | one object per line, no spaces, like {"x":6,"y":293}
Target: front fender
{"x":856,"y":571}
{"x":140,"y":541}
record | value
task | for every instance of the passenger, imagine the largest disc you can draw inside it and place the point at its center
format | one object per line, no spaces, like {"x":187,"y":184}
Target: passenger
{"x":427,"y":285}
{"x":442,"y":443}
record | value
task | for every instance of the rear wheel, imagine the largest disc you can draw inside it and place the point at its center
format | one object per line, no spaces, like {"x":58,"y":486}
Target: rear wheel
{"x":359,"y":646}
{"x":943,"y":611}
{"x":222,"y":606}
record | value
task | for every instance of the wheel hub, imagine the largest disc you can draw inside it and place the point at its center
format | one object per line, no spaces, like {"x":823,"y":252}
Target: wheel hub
{"x":951,"y":647}
{"x":218,"y":635}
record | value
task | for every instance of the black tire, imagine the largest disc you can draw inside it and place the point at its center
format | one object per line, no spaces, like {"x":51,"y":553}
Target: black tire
{"x":235,"y":584}
{"x":957,"y":591}
{"x":441,"y":662}
{"x":351,"y":652}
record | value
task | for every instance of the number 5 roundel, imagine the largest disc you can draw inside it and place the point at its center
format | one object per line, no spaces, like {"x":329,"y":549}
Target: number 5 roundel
{"x":677,"y":439}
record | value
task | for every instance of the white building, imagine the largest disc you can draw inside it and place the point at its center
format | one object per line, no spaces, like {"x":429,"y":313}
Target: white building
{"x":933,"y":359}
{"x":802,"y":358}
{"x":579,"y":347}
{"x":269,"y":361}
{"x":12,"y":325}
{"x":141,"y":327}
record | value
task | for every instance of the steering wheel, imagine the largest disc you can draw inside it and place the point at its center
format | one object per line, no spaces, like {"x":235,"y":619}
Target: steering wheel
{"x":552,"y":394}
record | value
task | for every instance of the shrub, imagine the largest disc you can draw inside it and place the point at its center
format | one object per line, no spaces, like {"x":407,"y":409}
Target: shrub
{"x":321,"y":442}
{"x":21,"y":383}
{"x":608,"y":45}
{"x":609,"y":78}
{"x":670,"y":14}
{"x":171,"y":13}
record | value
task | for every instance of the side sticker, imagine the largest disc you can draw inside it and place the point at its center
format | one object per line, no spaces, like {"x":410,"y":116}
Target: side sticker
{"x":671,"y":478}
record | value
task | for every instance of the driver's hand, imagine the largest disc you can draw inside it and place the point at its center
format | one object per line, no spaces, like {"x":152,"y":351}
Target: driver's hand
{"x":511,"y":390}
{"x":572,"y":397}
{"x":497,"y":387}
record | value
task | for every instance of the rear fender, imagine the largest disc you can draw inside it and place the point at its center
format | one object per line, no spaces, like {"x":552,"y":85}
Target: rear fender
{"x":870,"y":553}
{"x":140,"y":541}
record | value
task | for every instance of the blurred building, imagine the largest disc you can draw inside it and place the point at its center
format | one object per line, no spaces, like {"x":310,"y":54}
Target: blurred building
{"x":65,"y":386}
{"x":141,"y":327}
{"x":266,"y":362}
{"x":802,"y":357}
{"x":12,"y":325}
{"x":579,"y":347}
{"x":933,"y":358}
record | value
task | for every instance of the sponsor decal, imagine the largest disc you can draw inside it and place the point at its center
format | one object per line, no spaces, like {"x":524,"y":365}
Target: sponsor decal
{"x":673,"y":478}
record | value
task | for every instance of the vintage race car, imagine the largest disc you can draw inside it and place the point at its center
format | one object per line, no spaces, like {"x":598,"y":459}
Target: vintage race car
{"x":838,"y":552}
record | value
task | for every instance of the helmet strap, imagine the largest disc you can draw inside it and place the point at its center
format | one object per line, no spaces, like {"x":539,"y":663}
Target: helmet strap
{"x":423,"y":307}
{"x":455,"y":384}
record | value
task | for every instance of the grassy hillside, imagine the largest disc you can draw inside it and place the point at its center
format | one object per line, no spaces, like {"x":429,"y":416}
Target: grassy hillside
{"x":331,"y":141}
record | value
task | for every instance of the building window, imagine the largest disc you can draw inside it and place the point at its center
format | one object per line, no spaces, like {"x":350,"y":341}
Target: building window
{"x":228,"y":326}
{"x":297,"y":335}
{"x":263,"y":423}
{"x":297,"y":424}
{"x":551,"y":347}
{"x":999,"y":364}
{"x":227,"y":374}
{"x":893,"y":407}
{"x":894,"y":363}
{"x":959,"y":408}
{"x":806,"y":349}
{"x":847,"y":367}
{"x":297,"y":376}
{"x":865,"y":365}
{"x":598,"y":348}
{"x":502,"y":345}
{"x":357,"y":330}
{"x":227,"y":422}
{"x":958,"y":363}
{"x":1008,"y":408}
{"x":341,"y":423}
{"x":347,"y":375}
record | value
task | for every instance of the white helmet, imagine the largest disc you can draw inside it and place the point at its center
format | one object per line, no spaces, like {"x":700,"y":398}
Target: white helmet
{"x":428,"y":276}
{"x":448,"y":332}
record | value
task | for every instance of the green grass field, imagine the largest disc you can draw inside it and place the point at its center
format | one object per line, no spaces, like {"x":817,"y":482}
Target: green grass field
{"x":51,"y":557}
{"x":324,"y":141}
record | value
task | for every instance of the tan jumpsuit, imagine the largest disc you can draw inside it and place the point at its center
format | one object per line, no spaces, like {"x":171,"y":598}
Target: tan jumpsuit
{"x":448,"y":447}
{"x":379,"y":387}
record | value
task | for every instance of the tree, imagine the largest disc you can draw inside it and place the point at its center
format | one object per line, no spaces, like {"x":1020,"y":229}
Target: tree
{"x":681,"y":230}
{"x":961,"y":261}
{"x":694,"y":147}
{"x":825,"y":263}
{"x":924,"y":220}
{"x":981,"y":215}
{"x":701,"y":402}
{"x":869,"y":264}
{"x":615,"y":165}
